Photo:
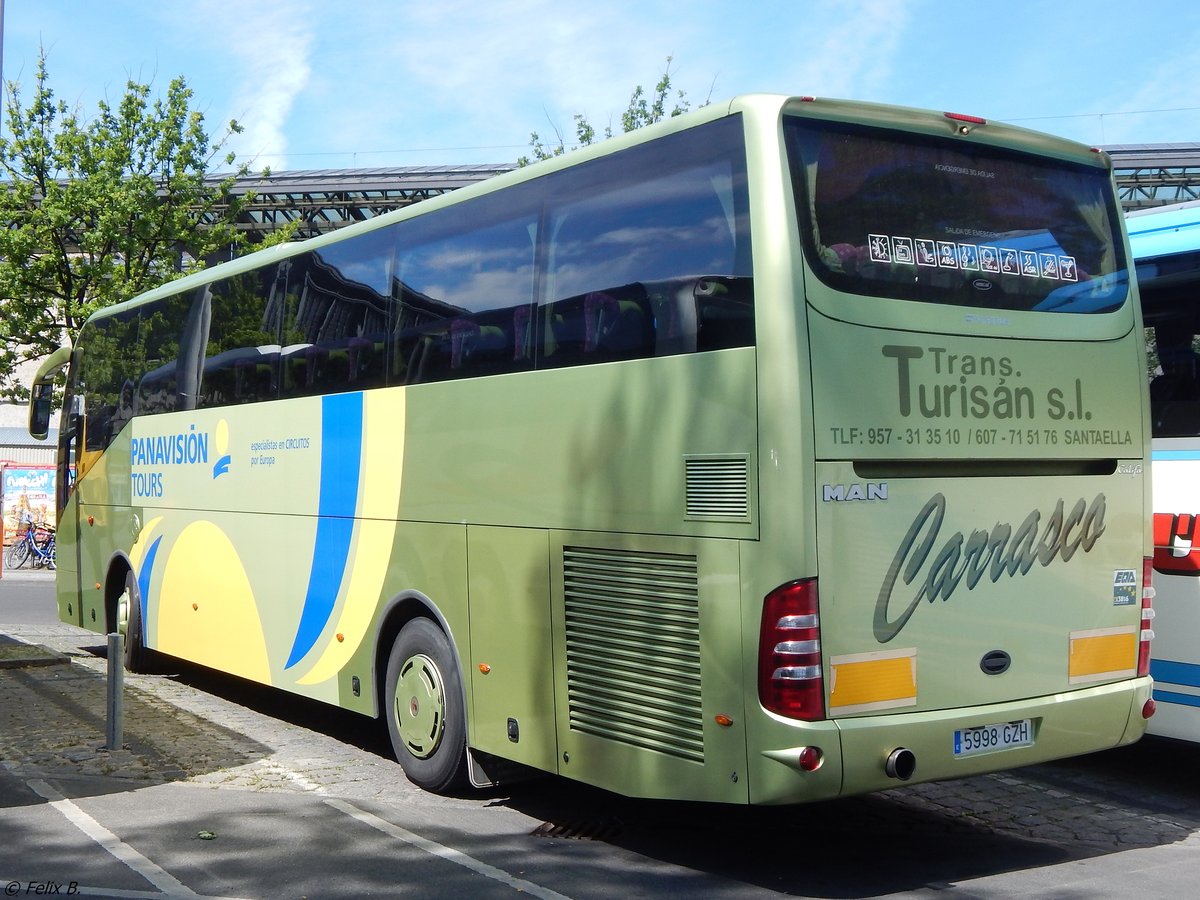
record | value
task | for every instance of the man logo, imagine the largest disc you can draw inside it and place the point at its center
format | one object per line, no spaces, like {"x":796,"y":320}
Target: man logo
{"x":840,"y":493}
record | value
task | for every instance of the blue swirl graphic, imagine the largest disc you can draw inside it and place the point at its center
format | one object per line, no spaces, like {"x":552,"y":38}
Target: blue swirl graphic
{"x":143,"y":583}
{"x":341,"y":461}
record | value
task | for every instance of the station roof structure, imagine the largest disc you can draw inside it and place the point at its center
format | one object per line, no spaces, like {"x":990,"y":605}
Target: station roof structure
{"x":1150,"y":175}
{"x":321,"y":200}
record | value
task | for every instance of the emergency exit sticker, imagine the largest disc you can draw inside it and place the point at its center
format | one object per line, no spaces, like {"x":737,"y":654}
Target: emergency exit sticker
{"x":1124,"y":587}
{"x":907,"y":250}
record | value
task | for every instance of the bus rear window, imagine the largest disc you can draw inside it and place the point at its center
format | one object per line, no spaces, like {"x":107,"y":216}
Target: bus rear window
{"x":913,"y":217}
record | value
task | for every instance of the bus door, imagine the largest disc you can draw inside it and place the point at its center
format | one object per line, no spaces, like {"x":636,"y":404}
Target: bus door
{"x":66,"y":518}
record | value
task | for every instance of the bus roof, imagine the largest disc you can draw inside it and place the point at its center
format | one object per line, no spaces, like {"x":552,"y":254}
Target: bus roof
{"x":1165,"y":242}
{"x":763,"y":105}
{"x":1164,"y":230}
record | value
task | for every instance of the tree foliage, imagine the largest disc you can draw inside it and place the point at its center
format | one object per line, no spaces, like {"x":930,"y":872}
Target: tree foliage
{"x":96,"y":211}
{"x":642,"y":110}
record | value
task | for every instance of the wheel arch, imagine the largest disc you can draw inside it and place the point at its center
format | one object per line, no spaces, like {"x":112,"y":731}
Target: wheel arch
{"x":398,"y":612}
{"x":114,"y":585}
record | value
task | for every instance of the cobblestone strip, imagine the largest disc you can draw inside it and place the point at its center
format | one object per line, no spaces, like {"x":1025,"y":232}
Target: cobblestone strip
{"x":52,"y":724}
{"x":174,"y":731}
{"x":1021,"y":805}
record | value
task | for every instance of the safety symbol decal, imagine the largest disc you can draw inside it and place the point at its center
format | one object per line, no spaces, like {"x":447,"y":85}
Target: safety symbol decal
{"x":904,"y":250}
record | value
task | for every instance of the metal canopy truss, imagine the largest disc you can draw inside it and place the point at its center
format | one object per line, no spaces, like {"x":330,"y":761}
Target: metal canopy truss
{"x":322,"y":200}
{"x":1150,"y":175}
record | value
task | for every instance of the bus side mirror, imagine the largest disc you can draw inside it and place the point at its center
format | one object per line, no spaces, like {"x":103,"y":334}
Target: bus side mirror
{"x":41,"y":404}
{"x":41,"y":395}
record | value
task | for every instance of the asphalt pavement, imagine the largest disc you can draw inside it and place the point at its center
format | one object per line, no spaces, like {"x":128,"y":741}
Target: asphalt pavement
{"x":196,"y":802}
{"x":225,"y":789}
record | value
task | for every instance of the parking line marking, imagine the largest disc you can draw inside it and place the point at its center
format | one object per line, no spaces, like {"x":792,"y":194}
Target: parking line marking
{"x":447,"y":853}
{"x":158,"y":877}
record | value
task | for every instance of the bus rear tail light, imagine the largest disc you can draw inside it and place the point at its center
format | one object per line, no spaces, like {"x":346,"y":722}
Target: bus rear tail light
{"x":963,"y":123}
{"x":790,"y":681}
{"x":1147,"y":632}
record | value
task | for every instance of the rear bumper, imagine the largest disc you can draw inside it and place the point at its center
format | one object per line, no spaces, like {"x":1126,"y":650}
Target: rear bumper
{"x":1067,"y":724}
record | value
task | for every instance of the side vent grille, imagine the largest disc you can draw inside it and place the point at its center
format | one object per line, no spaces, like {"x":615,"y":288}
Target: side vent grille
{"x":718,"y":488}
{"x":633,"y":649}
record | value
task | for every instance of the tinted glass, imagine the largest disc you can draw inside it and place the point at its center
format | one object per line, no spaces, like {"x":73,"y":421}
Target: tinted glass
{"x":912,"y":217}
{"x":110,"y":358}
{"x":336,"y":309}
{"x":642,"y":253}
{"x":1174,"y":351}
{"x":162,"y":384}
{"x":464,"y":289}
{"x":242,"y":356}
{"x":648,"y":251}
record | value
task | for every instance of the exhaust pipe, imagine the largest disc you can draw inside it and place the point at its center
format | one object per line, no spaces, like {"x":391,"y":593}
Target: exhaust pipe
{"x":900,"y":764}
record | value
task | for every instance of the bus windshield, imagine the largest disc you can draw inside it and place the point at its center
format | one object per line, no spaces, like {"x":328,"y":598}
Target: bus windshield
{"x":914,"y":217}
{"x":1166,"y":249}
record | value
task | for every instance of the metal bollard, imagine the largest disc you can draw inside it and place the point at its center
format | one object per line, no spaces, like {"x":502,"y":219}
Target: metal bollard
{"x":116,"y":691}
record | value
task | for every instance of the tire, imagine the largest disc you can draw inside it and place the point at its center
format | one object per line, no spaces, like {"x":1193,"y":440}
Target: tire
{"x":424,"y":710}
{"x":129,"y":623}
{"x":18,"y":553}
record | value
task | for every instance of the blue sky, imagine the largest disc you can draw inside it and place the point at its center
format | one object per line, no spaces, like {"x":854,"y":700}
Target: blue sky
{"x":332,"y":84}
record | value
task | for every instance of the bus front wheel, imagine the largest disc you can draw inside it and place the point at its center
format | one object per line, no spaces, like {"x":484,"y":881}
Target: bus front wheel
{"x":129,"y":624}
{"x":425,"y":715}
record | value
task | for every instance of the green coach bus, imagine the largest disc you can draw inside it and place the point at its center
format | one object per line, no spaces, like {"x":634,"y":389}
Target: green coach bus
{"x":787,"y":449}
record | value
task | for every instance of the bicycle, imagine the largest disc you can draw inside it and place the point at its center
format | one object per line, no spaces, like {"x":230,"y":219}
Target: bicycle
{"x":36,"y":544}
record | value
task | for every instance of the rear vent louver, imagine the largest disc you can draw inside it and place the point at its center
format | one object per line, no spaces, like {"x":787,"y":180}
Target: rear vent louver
{"x":718,"y":488}
{"x":633,"y":648}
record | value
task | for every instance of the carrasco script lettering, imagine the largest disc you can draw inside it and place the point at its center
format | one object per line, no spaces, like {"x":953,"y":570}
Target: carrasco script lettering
{"x":962,"y":560}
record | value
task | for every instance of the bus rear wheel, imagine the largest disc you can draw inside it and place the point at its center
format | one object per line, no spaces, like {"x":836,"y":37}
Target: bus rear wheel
{"x":425,"y":716}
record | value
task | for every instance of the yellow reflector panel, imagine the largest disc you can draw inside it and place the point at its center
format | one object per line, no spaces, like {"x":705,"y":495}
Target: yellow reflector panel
{"x":861,"y":682}
{"x":1102,"y":653}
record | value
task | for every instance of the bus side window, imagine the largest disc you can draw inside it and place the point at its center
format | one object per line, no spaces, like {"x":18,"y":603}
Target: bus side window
{"x":464,"y":291}
{"x":335,"y":328}
{"x":242,"y":358}
{"x":1175,"y":391}
{"x":600,"y":326}
{"x":633,"y":241}
{"x":111,"y":349}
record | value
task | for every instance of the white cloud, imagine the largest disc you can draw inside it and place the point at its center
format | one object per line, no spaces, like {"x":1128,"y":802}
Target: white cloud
{"x":506,"y":69}
{"x":848,"y":49}
{"x":323,"y":83}
{"x":268,"y":46}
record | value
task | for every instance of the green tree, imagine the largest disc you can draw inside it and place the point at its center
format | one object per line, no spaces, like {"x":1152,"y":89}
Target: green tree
{"x":641,"y":111}
{"x":95,"y":211}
